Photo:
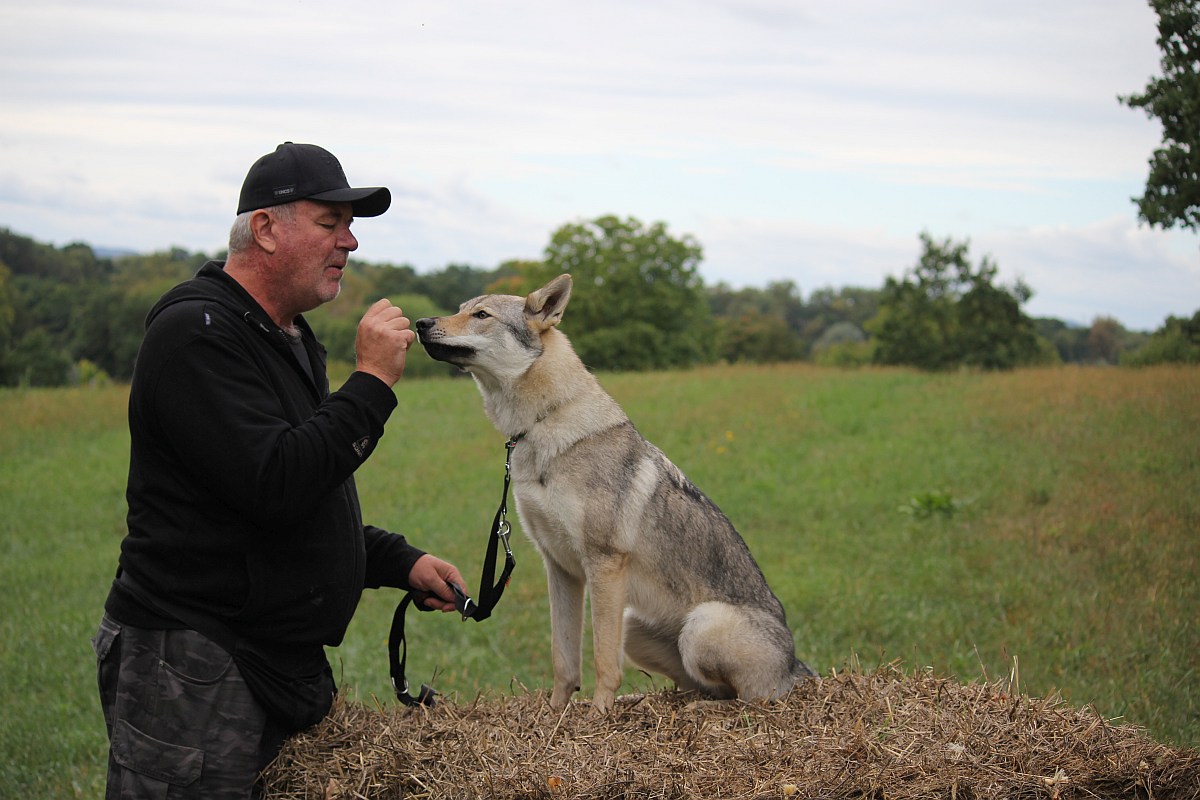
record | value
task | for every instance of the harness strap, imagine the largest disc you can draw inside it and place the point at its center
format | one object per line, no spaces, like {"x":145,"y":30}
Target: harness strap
{"x":490,"y":590}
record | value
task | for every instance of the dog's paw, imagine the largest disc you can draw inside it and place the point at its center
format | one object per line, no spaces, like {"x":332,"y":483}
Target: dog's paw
{"x":561,"y":698}
{"x":602,"y":703}
{"x":598,"y":710}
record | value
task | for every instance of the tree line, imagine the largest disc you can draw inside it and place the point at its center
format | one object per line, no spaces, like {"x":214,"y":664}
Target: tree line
{"x":69,"y":315}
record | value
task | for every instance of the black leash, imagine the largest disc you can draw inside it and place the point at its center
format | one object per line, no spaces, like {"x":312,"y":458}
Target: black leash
{"x":490,"y":589}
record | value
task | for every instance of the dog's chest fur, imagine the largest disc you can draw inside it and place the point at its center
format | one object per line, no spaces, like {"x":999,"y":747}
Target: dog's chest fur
{"x":550,"y":517}
{"x":568,"y":499}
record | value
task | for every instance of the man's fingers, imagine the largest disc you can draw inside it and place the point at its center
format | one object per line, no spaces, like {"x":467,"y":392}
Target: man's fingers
{"x":382,"y":342}
{"x":383,"y":311}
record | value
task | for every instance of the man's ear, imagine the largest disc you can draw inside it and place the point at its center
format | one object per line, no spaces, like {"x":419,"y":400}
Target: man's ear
{"x":263,"y":228}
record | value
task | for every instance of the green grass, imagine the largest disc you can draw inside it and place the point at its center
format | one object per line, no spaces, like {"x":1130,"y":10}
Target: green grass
{"x":1043,"y":519}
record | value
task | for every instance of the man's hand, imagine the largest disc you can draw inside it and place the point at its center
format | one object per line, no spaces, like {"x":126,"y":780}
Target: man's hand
{"x":431,"y":574}
{"x":381,"y":346}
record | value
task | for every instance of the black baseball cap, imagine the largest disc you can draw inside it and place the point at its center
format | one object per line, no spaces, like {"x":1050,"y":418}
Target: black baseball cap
{"x":306,"y":172}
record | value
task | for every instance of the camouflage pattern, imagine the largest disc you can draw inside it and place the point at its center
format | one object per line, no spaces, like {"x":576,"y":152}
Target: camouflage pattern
{"x":181,"y":721}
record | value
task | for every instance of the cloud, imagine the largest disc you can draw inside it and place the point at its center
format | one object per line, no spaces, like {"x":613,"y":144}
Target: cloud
{"x":1109,"y":268}
{"x":813,"y":141}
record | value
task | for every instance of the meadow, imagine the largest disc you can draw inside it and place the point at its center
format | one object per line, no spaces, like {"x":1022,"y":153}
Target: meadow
{"x":1042,"y":523}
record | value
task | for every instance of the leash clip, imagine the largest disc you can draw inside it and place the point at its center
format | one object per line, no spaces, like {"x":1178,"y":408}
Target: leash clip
{"x":426,"y":697}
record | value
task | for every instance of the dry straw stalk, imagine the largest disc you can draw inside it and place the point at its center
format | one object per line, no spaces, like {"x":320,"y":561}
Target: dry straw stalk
{"x":886,"y":735}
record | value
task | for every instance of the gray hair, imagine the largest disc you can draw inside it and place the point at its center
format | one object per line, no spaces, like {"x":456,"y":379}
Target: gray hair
{"x":240,"y":235}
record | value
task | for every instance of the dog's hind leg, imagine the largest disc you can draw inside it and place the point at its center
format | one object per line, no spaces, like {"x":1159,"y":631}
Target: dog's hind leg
{"x":566,"y":632}
{"x":606,"y":582}
{"x":732,"y":651}
{"x":656,"y":649}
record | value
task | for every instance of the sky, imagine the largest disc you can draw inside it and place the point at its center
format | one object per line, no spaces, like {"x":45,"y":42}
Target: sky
{"x":810,"y":142}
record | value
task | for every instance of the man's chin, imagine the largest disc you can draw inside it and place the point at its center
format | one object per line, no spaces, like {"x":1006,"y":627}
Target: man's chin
{"x":332,"y":289}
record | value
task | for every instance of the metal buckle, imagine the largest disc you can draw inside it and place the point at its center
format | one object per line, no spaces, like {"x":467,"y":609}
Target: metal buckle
{"x":464,"y":604}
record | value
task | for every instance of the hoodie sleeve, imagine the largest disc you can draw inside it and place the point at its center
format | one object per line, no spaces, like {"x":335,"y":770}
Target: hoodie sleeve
{"x":246,"y":425}
{"x":389,"y":559}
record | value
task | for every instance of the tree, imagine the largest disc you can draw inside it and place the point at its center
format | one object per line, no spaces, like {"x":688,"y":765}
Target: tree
{"x":1172,"y":193}
{"x":1104,"y":340}
{"x":1069,"y":341}
{"x":915,"y":323}
{"x":36,"y":360}
{"x":848,"y":304}
{"x":755,"y":338}
{"x":1176,"y":342}
{"x":394,"y":280}
{"x":516,"y":276}
{"x":843,"y":344}
{"x":8,"y":318}
{"x":8,"y":308}
{"x":993,"y":332}
{"x":453,"y":284}
{"x":832,"y":309}
{"x":945,"y":314}
{"x":638,"y":301}
{"x":755,"y":325}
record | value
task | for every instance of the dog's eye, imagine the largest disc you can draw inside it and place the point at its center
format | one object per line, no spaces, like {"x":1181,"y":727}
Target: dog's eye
{"x":481,"y":315}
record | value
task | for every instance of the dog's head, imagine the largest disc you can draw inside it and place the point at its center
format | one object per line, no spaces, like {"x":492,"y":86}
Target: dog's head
{"x":497,"y":334}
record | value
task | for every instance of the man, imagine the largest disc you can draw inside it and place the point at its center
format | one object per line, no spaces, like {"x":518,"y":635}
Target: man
{"x":246,"y":552}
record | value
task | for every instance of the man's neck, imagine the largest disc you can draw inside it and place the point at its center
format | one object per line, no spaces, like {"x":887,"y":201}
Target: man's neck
{"x":252,"y":278}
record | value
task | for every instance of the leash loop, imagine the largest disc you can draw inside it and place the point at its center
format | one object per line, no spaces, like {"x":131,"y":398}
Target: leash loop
{"x":490,"y":590}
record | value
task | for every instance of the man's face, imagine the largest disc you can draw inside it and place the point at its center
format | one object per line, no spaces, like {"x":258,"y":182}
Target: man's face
{"x":313,"y":251}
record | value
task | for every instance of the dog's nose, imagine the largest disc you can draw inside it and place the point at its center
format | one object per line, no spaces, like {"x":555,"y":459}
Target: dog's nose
{"x":423,"y":324}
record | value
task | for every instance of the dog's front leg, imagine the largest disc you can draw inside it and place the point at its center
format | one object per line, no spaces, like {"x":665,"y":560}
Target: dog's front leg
{"x":566,"y":631}
{"x":606,"y":581}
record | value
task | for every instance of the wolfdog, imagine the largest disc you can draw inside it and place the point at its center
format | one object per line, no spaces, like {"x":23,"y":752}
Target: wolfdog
{"x":672,"y":583}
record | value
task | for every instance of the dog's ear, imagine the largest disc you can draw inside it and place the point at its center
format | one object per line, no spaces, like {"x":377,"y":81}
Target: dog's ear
{"x":546,"y":305}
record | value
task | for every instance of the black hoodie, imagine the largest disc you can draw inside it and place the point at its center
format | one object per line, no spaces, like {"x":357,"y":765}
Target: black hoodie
{"x":241,"y":494}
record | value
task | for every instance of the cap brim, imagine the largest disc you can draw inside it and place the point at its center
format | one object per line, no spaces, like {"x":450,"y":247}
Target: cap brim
{"x":367,"y":202}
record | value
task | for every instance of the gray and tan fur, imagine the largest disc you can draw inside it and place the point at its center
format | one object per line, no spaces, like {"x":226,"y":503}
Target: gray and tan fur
{"x":672,"y":583}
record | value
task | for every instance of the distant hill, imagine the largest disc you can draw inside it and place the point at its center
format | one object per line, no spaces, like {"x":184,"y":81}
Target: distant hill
{"x":113,"y":252}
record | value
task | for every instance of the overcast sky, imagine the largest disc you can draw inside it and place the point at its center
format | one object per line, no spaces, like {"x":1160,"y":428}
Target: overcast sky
{"x":802,"y":141}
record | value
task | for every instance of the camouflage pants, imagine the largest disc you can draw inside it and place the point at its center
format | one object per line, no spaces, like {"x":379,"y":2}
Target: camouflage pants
{"x":181,"y":721}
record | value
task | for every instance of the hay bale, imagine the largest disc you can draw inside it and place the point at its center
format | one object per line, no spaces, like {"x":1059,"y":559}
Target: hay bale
{"x":886,"y":735}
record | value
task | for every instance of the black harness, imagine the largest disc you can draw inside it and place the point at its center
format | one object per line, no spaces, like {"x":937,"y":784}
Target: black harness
{"x":490,"y":589}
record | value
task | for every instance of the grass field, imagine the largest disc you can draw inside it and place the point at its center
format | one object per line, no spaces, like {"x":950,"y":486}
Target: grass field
{"x":1046,"y":520}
